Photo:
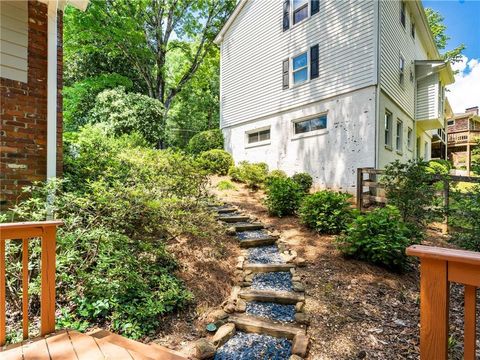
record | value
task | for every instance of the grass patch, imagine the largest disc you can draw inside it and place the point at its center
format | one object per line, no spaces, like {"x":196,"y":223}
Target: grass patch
{"x":226,"y":185}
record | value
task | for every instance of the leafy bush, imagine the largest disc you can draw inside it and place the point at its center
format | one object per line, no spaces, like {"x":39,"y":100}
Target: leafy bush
{"x":304,"y":180}
{"x":216,"y":161}
{"x":124,"y":113}
{"x":283,"y":196}
{"x":379,"y":237}
{"x":408,"y":187}
{"x":441,"y":167}
{"x":252,"y":174}
{"x":79,"y":98}
{"x":274,"y":174}
{"x":326,"y":211}
{"x":225,"y":185}
{"x":476,"y":158}
{"x":206,"y":140}
{"x":465,"y":218}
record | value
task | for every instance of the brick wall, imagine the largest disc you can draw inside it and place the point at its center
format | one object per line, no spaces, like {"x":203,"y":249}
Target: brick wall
{"x":23,"y":113}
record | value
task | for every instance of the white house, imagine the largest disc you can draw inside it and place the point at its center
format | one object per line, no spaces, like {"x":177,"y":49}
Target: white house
{"x":328,"y":86}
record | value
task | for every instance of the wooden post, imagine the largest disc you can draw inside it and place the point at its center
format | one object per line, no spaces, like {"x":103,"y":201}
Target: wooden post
{"x":47,"y":302}
{"x":434,"y":304}
{"x":359,"y":189}
{"x":470,"y":324}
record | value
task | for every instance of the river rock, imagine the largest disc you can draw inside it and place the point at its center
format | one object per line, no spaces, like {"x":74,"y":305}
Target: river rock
{"x":217,"y":315}
{"x":297,"y":286}
{"x":223,"y":334}
{"x":295,"y":357}
{"x":299,"y":306}
{"x":241,"y":305}
{"x":300,"y":345}
{"x":302,"y":318}
{"x":231,"y":231}
{"x":300,"y":262}
{"x":201,"y":349}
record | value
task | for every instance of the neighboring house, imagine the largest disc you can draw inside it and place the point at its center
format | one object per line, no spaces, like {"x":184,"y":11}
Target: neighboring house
{"x":439,"y":136}
{"x":463,"y":137}
{"x":328,"y":86}
{"x":30,"y":92}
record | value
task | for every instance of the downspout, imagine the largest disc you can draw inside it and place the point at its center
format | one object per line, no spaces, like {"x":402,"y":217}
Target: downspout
{"x":377,"y":88}
{"x":52,"y":98}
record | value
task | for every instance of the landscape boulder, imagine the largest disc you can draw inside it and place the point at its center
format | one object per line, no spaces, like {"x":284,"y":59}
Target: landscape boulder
{"x":223,"y":334}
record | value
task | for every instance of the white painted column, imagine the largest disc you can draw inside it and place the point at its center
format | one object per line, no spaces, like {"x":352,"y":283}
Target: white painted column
{"x":52,"y":90}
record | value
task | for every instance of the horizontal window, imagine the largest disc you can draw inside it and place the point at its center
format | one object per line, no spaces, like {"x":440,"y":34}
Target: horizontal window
{"x":450,"y":122}
{"x":305,"y":126}
{"x":259,"y":136}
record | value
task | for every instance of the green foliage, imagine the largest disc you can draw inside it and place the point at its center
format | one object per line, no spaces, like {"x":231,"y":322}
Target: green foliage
{"x":476,"y":158}
{"x":304,"y":180}
{"x":252,"y":174}
{"x":408,"y":186}
{"x":216,"y":161}
{"x":379,"y":237}
{"x":79,"y":98}
{"x":326,"y":211}
{"x":441,"y":167}
{"x":283,"y":196}
{"x":439,"y":32}
{"x":206,"y":140}
{"x":274,"y":174}
{"x":226,"y":185}
{"x":124,"y":113}
{"x":465,"y":218}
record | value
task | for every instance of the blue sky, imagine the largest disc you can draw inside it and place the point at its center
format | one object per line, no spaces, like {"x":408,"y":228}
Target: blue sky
{"x":462,"y":18}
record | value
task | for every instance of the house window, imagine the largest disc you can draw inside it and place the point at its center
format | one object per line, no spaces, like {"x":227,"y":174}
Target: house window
{"x":402,"y":69}
{"x":388,"y":129}
{"x":409,"y":138}
{"x":258,"y":136}
{"x":412,"y":29}
{"x":300,"y":68}
{"x":300,"y":10}
{"x":451,"y":122}
{"x":317,"y":123}
{"x":403,"y":15}
{"x":399,"y":136}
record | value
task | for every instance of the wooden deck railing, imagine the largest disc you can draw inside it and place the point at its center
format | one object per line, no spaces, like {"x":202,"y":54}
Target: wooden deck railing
{"x":463,"y":137}
{"x":46,"y":231}
{"x":439,"y":267}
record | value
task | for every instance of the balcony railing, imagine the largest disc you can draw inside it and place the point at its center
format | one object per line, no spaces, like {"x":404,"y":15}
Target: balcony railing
{"x":439,"y":267}
{"x":46,"y":231}
{"x":463,"y":137}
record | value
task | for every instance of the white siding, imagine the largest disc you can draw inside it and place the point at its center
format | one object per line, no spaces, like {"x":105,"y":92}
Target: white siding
{"x":427,"y":98}
{"x":331,"y":156}
{"x":255,"y":46}
{"x":14,"y":40}
{"x":395,"y":40}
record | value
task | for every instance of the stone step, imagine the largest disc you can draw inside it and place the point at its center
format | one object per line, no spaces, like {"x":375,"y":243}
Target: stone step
{"x":226,"y":210}
{"x":262,"y":268}
{"x":256,"y":242}
{"x":234,"y":219}
{"x":247,"y":226}
{"x":257,"y":325}
{"x":280,"y":297}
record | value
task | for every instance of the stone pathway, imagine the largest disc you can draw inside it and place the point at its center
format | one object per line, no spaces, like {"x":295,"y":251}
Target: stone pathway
{"x":265,"y":316}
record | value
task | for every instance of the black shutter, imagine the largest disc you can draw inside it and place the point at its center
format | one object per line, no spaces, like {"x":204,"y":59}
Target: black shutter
{"x":315,"y":6}
{"x":314,"y":62}
{"x":286,"y":73}
{"x":286,"y":15}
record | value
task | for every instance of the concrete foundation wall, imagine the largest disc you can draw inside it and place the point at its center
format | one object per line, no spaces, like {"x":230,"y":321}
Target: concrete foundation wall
{"x":331,"y":156}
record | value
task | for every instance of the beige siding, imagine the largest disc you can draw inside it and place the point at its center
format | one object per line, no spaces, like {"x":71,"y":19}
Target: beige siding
{"x":14,"y":40}
{"x":427,"y":98}
{"x":255,"y":46}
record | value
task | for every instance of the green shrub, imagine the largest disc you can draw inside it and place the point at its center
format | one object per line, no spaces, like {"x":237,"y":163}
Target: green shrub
{"x":226,"y":185}
{"x":441,"y":167}
{"x":283,"y":196}
{"x":379,"y":237}
{"x":274,"y":174}
{"x":205,"y":140}
{"x":254,"y":175}
{"x":408,"y":187}
{"x":124,"y":113}
{"x":304,"y":180}
{"x":216,"y":161}
{"x":326,"y":211}
{"x":465,"y":218}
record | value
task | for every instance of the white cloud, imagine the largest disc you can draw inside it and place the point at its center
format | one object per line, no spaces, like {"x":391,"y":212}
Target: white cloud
{"x":465,"y":92}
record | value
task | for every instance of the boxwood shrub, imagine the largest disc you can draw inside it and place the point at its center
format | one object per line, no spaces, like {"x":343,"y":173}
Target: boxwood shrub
{"x":283,"y":196}
{"x":216,"y":161}
{"x":304,"y":180}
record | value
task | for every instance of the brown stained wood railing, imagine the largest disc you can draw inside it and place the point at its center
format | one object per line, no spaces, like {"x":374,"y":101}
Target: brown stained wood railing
{"x":439,"y":267}
{"x":46,"y":231}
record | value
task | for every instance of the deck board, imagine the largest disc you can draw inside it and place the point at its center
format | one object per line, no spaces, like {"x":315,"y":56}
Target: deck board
{"x":36,"y":350}
{"x":13,"y":353}
{"x":111,"y":351}
{"x":60,"y":347}
{"x":85,"y":347}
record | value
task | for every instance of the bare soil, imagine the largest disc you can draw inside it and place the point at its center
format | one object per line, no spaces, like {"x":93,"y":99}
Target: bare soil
{"x":357,"y":310}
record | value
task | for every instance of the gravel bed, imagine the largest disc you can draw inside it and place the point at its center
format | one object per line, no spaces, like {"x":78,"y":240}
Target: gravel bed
{"x":272,"y":311}
{"x":273,"y":281}
{"x":243,"y":346}
{"x":265,"y":255}
{"x":254,"y":234}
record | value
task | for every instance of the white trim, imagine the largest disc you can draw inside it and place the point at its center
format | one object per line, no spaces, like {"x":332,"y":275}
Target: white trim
{"x":231,"y":19}
{"x":52,"y":90}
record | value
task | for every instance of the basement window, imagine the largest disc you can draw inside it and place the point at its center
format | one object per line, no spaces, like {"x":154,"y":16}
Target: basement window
{"x":258,"y":136}
{"x":316,"y":123}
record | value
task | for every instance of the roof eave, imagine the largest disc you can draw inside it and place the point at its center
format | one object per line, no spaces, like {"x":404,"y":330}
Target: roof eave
{"x":231,"y":19}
